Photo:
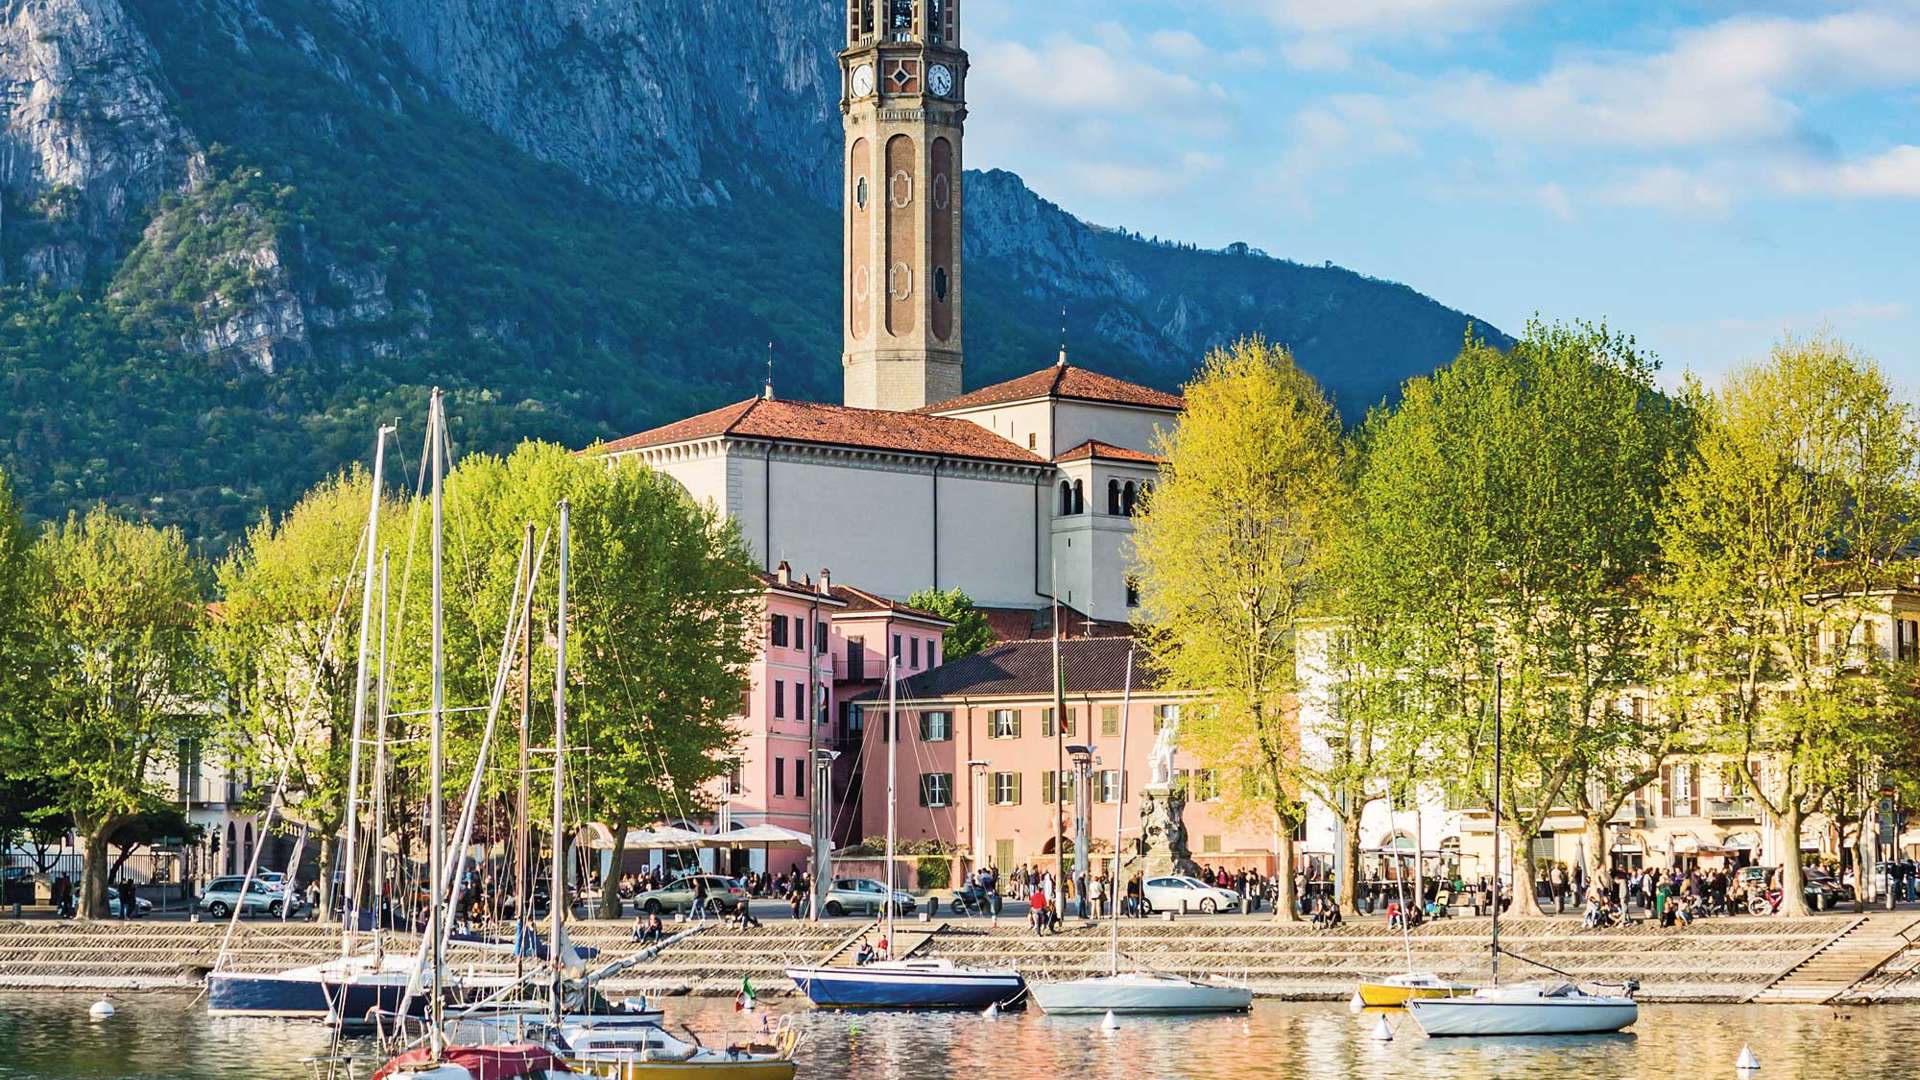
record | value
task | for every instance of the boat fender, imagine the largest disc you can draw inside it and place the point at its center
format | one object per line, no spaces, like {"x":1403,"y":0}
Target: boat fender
{"x":1747,"y":1062}
{"x":100,"y":1010}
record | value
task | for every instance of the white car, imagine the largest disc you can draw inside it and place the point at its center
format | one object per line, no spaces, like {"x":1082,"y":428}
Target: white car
{"x":1178,"y":892}
{"x":866,"y":896}
{"x":724,"y":894}
{"x":223,"y":895}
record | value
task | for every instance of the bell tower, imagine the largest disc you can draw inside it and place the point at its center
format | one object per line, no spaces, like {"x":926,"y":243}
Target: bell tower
{"x":903,"y":104}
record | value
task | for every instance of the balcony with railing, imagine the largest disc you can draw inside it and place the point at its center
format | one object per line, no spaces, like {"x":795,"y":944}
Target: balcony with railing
{"x":1633,"y":812}
{"x":1737,"y":808}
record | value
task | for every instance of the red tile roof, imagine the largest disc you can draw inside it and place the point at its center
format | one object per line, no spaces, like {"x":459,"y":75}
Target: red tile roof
{"x":835,"y":425}
{"x":860,"y":600}
{"x":1094,"y":448}
{"x":1063,"y":381}
{"x":1019,"y":624}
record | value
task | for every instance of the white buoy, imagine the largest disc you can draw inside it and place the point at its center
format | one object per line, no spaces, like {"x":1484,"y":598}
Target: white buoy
{"x":1746,"y":1062}
{"x":993,"y":1011}
{"x":1356,"y":1002}
{"x":1382,"y":1031}
{"x":1110,"y":1022}
{"x":101,"y":1009}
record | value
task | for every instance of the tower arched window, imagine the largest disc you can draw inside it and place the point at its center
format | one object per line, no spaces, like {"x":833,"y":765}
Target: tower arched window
{"x":1113,"y":497}
{"x":1079,"y":498}
{"x":1066,"y":498}
{"x":1127,"y":497}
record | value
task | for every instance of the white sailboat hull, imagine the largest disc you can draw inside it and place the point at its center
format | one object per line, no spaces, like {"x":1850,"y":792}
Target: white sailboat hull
{"x":1497,"y":1012}
{"x":1136,"y":994}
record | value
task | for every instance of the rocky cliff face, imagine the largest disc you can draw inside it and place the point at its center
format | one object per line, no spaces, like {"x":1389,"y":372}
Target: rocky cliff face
{"x":90,"y":137}
{"x":664,"y":101}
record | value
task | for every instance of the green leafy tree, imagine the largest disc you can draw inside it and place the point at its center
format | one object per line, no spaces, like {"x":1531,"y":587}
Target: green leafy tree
{"x":1230,"y":552}
{"x":662,"y":619}
{"x":285,"y":645}
{"x":1507,"y":510}
{"x":1783,"y":536}
{"x":970,"y":631}
{"x":128,"y":675}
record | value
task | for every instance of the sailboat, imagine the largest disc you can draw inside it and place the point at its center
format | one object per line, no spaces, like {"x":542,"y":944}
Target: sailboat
{"x":907,"y":983}
{"x":1526,"y":1008}
{"x":1134,"y":992}
{"x":1394,"y":991}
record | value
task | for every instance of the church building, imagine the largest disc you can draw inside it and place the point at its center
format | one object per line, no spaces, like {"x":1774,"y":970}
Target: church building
{"x":1010,"y":491}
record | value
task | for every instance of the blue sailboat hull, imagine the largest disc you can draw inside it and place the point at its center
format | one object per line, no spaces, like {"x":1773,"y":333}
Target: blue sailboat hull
{"x":878,"y":986}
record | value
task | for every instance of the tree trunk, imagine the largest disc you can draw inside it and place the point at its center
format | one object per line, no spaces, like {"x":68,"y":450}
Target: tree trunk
{"x":1287,"y":907}
{"x":329,"y":853}
{"x":1348,"y":894}
{"x":610,"y":884}
{"x":1863,"y":869}
{"x":1793,"y":897}
{"x":93,"y":876}
{"x":1521,"y":856}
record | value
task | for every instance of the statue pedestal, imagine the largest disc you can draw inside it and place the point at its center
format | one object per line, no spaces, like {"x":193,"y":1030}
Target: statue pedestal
{"x":1163,"y":834}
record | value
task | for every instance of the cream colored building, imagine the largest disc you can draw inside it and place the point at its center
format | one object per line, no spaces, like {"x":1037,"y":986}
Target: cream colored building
{"x":1013,"y":492}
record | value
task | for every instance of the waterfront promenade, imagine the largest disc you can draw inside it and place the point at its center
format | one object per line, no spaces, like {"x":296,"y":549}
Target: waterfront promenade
{"x":1720,"y":960}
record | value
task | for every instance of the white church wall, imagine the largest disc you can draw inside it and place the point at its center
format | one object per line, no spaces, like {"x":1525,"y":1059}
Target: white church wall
{"x":1015,"y":421}
{"x":987,"y":538}
{"x":1077,"y":421}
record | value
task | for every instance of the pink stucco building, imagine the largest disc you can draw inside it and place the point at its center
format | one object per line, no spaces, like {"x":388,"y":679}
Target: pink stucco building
{"x":978,"y":758}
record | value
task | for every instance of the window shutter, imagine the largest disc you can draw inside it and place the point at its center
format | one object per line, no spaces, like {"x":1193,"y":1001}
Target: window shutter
{"x":1693,"y":790}
{"x":1016,"y":723}
{"x":923,"y":727}
{"x":1046,"y":786}
{"x":923,"y":789}
{"x":1666,"y":791}
{"x":1016,"y":790}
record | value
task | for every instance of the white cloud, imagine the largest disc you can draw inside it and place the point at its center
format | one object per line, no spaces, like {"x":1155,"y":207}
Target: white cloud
{"x":1731,"y":81}
{"x":1069,"y":76}
{"x":1893,"y":174}
{"x":1665,"y":187}
{"x":1556,"y":201}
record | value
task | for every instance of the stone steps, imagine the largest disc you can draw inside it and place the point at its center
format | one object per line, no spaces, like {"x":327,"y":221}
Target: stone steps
{"x":1842,"y":963}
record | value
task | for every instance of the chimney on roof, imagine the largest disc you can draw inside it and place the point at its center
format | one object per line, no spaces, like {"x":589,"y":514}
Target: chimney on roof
{"x":783,"y":573}
{"x":826,"y":582}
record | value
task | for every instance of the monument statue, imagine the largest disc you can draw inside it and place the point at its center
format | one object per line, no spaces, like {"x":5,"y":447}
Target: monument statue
{"x":1163,"y":833}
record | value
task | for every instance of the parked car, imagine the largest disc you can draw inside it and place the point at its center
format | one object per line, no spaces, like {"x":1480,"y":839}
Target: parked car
{"x":867,"y":896}
{"x":723,"y":893}
{"x":223,"y":895}
{"x":1823,"y":891}
{"x":1178,"y":892}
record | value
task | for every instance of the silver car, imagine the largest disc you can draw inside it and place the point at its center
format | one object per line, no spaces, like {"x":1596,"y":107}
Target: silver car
{"x":223,"y":895}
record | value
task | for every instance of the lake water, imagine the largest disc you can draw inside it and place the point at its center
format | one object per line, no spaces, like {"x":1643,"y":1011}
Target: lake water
{"x":169,"y":1037}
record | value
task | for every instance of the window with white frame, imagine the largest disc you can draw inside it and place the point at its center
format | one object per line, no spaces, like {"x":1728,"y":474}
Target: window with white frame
{"x":1005,"y":789}
{"x":1003,"y":724}
{"x":1107,"y":786}
{"x":936,"y":726}
{"x":936,"y":789}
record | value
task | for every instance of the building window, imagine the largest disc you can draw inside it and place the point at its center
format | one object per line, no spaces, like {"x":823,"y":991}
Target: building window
{"x":1079,"y":498}
{"x":933,"y":652}
{"x":1127,"y":497}
{"x":1210,"y":843}
{"x":800,"y":702}
{"x":1003,"y":724}
{"x":857,"y":659}
{"x":820,"y":638}
{"x":1046,"y":722}
{"x":1066,"y":499}
{"x":800,"y":633}
{"x":799,"y":778}
{"x":1033,"y":440}
{"x":736,"y":780}
{"x":936,"y":789}
{"x":1908,"y":633}
{"x":913,"y":647}
{"x":1113,"y":498}
{"x":1006,"y":789}
{"x":1164,"y":715}
{"x":1107,"y":787}
{"x":896,"y":650}
{"x":779,"y":699}
{"x":779,"y":776}
{"x":936,"y":727}
{"x":1133,"y":592}
{"x":780,"y":631}
{"x":1057,"y":790}
{"x":1109,"y":721}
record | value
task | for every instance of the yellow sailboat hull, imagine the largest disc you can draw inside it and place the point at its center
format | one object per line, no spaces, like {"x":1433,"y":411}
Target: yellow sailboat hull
{"x":1389,"y":996}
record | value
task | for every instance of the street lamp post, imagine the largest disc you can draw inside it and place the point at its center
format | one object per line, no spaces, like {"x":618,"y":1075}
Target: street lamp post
{"x":1082,"y":797}
{"x":977,"y":807}
{"x":820,"y":806}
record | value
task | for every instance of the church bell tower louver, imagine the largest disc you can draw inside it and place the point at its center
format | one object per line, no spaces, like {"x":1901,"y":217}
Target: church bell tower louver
{"x":903,"y":105}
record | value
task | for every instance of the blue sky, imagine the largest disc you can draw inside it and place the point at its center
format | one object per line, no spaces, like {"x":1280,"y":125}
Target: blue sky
{"x":1703,"y":175}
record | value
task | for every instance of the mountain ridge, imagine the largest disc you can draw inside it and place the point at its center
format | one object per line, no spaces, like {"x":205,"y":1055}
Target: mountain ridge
{"x":239,"y":233}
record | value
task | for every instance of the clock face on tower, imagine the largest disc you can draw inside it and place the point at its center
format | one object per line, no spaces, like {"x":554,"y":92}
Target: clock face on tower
{"x":863,"y":80}
{"x":940,"y":80}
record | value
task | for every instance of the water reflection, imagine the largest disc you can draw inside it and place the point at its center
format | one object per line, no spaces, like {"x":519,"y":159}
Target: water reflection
{"x":169,"y":1037}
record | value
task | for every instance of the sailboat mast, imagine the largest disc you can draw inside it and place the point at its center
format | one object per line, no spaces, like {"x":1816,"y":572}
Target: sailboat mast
{"x":893,"y":802}
{"x":350,"y":905}
{"x":1119,"y":816}
{"x":380,"y":780}
{"x":523,"y":855}
{"x":556,"y":904}
{"x":1498,"y":675}
{"x":435,"y":825}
